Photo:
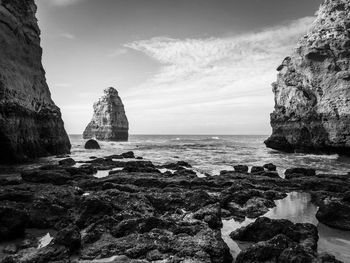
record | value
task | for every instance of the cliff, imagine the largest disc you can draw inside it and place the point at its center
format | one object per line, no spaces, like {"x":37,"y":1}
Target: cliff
{"x":30,"y":122}
{"x":312,"y":92}
{"x":109,"y":122}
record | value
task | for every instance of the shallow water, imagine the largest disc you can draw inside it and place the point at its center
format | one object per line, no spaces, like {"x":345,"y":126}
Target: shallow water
{"x":297,"y":207}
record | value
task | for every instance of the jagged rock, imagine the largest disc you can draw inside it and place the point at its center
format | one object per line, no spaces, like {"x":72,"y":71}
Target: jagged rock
{"x":270,"y":166}
{"x":30,"y":122}
{"x":92,"y":145}
{"x":241,"y":168}
{"x":334,"y":213}
{"x":312,"y":91}
{"x":299,"y":172}
{"x":109,"y":122}
{"x":67,"y":162}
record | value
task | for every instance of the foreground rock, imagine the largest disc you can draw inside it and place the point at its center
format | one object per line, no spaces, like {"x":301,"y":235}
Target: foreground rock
{"x":30,"y":122}
{"x":109,"y":122}
{"x":279,"y":241}
{"x":313,"y":86}
{"x":141,"y":214}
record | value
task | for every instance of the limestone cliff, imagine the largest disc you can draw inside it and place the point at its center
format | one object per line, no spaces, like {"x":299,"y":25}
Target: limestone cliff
{"x":312,"y":92}
{"x":109,"y":122}
{"x":30,"y":122}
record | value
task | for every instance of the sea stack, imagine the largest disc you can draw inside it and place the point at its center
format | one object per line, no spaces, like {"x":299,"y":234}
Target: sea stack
{"x":109,"y":122}
{"x":312,"y":92}
{"x":30,"y":122}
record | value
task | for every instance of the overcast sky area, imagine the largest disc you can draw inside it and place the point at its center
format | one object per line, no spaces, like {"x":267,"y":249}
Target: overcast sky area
{"x":180,"y":67}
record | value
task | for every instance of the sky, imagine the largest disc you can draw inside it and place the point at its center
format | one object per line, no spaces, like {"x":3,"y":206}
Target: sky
{"x":180,"y":67}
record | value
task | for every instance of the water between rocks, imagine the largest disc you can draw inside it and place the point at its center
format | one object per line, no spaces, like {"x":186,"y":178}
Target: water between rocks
{"x":296,"y":207}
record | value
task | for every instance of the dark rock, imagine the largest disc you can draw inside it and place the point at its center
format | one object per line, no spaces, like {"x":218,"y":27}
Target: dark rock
{"x":128,"y":155}
{"x":30,"y":122}
{"x":241,"y":168}
{"x":298,"y":172}
{"x":109,"y":122}
{"x":12,"y":223}
{"x":67,"y":162}
{"x":69,"y":237}
{"x":92,"y":145}
{"x":270,"y":167}
{"x":334,"y":213}
{"x":257,"y":169}
{"x":267,"y":251}
{"x":264,"y":229}
{"x":46,"y":176}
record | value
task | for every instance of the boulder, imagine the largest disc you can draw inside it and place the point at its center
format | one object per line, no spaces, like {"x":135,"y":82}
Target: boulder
{"x":334,"y":213}
{"x":270,"y":167}
{"x":241,"y":168}
{"x":67,"y":162}
{"x":299,"y":172}
{"x":92,"y":145}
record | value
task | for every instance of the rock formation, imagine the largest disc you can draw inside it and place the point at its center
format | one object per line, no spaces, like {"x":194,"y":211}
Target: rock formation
{"x":109,"y":122}
{"x":30,"y":122}
{"x":312,"y":92}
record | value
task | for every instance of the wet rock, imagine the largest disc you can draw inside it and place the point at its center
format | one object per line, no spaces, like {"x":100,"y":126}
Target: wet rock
{"x":92,"y":145}
{"x":299,"y":172}
{"x":128,"y":155}
{"x":334,"y":213}
{"x":241,"y":168}
{"x":46,"y":176}
{"x":67,"y":162}
{"x":12,"y":223}
{"x":257,"y":169}
{"x":69,"y":237}
{"x":270,"y":167}
{"x":109,"y":122}
{"x":264,"y":229}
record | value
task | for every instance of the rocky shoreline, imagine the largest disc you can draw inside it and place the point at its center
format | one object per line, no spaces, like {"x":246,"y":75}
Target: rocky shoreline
{"x":143,"y":212}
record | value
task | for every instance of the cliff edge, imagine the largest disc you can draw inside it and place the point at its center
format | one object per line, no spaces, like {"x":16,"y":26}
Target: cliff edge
{"x":30,"y":122}
{"x":312,"y":92}
{"x":109,"y":122}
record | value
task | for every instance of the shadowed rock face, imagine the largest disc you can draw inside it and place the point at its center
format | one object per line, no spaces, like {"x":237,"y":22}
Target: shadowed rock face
{"x":312,"y":92}
{"x":30,"y":122}
{"x":109,"y":122}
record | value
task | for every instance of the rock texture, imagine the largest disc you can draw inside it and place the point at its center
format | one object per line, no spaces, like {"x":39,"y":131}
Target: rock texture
{"x":312,"y":92}
{"x":30,"y":122}
{"x":109,"y":122}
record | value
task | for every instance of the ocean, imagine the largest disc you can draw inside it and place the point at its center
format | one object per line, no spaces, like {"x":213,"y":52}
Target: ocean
{"x":209,"y":154}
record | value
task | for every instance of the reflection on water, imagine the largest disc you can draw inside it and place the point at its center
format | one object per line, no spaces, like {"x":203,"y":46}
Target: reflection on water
{"x":297,"y":207}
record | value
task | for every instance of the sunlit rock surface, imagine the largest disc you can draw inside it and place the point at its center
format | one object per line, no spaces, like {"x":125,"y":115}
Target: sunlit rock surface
{"x":312,"y":92}
{"x":109,"y":122}
{"x":30,"y":122}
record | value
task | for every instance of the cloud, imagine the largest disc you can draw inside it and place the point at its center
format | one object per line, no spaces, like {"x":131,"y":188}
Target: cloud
{"x":68,"y":36}
{"x":64,"y":2}
{"x":117,"y":52}
{"x":215,"y":79}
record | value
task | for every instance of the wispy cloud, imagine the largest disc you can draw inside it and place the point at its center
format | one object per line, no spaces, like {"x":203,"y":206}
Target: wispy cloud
{"x":68,"y":36}
{"x":228,"y":77}
{"x":117,"y":52}
{"x":64,"y":2}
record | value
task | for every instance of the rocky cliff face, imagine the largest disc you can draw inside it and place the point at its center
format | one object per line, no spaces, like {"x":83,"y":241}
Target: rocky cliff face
{"x":30,"y":122}
{"x":312,"y":92}
{"x":109,"y":122}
